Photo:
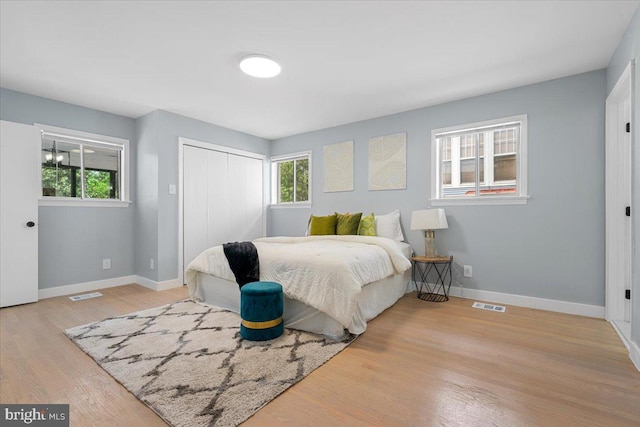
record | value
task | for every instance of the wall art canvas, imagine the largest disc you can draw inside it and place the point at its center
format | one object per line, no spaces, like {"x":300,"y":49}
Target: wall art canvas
{"x":338,"y":167}
{"x":388,"y":162}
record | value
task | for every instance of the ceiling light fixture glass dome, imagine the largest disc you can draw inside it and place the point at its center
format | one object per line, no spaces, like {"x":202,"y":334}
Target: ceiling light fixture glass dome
{"x":260,"y":66}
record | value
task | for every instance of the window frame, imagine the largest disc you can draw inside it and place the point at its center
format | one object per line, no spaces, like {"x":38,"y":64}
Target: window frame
{"x":520,"y":198}
{"x":275,"y":181}
{"x":96,"y":140}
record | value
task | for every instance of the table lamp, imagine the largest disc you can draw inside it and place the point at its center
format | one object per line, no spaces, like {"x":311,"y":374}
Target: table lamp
{"x":429,"y":220}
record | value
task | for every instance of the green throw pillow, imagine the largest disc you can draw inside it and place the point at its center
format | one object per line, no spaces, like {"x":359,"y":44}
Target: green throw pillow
{"x":348,"y":223}
{"x":322,"y":225}
{"x":367,"y":226}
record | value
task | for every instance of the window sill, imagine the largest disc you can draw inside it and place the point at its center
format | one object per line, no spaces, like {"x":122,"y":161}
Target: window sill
{"x":290,"y":206}
{"x":484,"y":200}
{"x":84,"y":203}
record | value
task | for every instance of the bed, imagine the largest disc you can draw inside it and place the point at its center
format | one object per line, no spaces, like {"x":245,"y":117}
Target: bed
{"x":331,"y":284}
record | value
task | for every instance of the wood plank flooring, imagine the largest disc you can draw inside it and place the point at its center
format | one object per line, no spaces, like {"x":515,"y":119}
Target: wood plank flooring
{"x":418,"y":364}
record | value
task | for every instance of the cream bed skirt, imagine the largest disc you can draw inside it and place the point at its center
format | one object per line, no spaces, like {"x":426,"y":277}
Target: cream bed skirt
{"x":373,"y":300}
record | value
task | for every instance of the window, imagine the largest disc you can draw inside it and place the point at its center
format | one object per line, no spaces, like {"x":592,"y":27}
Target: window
{"x":78,"y":168}
{"x":291,"y":179}
{"x":480,"y":163}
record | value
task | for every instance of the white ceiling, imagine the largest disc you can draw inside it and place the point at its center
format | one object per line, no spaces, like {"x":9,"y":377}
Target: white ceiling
{"x":341,"y":61}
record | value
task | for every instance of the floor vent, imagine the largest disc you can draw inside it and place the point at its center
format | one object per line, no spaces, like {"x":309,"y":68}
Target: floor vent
{"x":489,"y":307}
{"x":85,"y":296}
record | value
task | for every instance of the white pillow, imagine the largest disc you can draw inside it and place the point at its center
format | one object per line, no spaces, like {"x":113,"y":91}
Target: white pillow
{"x":389,"y":226}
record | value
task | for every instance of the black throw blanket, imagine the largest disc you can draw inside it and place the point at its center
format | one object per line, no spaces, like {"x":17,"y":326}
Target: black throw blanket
{"x":243,"y":260}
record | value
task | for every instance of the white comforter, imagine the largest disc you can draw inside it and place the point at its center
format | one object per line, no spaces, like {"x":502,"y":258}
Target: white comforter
{"x":324,"y":272}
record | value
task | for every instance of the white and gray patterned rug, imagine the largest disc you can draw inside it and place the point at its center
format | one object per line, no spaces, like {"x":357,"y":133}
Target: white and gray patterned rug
{"x":188,"y":363}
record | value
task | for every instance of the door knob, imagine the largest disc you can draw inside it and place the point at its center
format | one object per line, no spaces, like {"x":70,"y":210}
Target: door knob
{"x":31,"y":224}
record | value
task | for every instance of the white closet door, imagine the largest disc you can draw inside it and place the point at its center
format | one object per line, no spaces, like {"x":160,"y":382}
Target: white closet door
{"x":254,"y":199}
{"x":195,"y":214}
{"x":237,"y":174}
{"x":246,"y":196}
{"x":222,"y":199}
{"x":218,"y":229}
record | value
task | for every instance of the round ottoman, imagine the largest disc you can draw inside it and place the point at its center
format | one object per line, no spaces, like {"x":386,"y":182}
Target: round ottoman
{"x":261,"y":305}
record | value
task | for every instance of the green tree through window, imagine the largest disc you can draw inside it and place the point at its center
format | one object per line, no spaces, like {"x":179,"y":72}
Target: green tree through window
{"x":302,"y":180}
{"x":99,"y":184}
{"x":286,"y":182}
{"x":80,"y":166}
{"x":292,"y":180}
{"x":65,"y":182}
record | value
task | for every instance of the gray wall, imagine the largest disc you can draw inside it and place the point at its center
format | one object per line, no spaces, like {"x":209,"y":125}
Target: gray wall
{"x":629,"y":49}
{"x":146,"y":212}
{"x":553,"y":247}
{"x":74,"y":240}
{"x":157,"y":217}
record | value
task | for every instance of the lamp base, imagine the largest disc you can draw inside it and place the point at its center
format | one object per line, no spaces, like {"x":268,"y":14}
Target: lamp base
{"x":430,"y":244}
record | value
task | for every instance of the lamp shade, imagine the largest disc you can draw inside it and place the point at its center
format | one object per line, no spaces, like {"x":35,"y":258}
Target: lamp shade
{"x":429,"y":219}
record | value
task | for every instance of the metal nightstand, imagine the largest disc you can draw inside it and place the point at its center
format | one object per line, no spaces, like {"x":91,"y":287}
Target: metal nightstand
{"x":422,"y":266}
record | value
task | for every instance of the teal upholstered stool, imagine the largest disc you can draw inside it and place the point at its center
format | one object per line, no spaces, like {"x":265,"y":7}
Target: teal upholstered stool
{"x":261,"y":305}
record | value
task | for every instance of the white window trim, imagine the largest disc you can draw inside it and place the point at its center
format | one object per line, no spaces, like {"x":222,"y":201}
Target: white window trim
{"x":100,"y":139}
{"x":520,"y":198}
{"x":274,"y":180}
{"x":297,"y":205}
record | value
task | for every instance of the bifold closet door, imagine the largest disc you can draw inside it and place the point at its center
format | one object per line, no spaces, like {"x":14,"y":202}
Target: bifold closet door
{"x":195,"y":203}
{"x":245,"y":198}
{"x":254,"y":216}
{"x":217,"y":195}
{"x":223,"y":199}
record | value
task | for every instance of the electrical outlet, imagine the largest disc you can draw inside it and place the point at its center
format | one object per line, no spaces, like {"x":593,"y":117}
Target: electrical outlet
{"x":106,"y":263}
{"x":152,"y":264}
{"x":468,"y":271}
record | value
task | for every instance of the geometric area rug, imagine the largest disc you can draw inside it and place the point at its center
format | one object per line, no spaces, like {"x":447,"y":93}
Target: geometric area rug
{"x":189,"y":364}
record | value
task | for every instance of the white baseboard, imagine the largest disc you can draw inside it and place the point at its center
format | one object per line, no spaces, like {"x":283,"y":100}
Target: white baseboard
{"x":624,"y":337}
{"x":634,"y":354}
{"x":530,"y":302}
{"x":550,"y":305}
{"x":158,"y":286}
{"x":632,"y":348}
{"x":58,"y":291}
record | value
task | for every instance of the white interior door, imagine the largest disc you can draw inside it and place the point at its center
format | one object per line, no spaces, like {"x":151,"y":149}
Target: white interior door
{"x":618,"y":225}
{"x":19,"y":192}
{"x":627,"y":195}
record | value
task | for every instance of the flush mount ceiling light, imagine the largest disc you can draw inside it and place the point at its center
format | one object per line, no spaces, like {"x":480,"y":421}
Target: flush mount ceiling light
{"x":260,"y":66}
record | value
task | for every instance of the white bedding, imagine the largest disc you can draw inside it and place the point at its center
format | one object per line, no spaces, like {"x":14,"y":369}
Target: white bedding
{"x":324,"y":272}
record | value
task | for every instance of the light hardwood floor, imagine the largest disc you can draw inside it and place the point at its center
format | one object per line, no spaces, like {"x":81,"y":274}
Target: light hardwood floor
{"x":418,"y":364}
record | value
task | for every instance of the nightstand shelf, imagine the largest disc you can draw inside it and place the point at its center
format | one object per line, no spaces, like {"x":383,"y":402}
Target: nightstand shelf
{"x":422,"y":267}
